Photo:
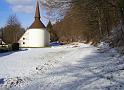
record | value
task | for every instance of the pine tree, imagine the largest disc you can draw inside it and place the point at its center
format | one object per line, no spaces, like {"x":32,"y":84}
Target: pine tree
{"x":53,"y":35}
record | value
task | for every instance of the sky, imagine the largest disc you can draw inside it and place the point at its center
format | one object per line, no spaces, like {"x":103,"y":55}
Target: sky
{"x":23,"y":9}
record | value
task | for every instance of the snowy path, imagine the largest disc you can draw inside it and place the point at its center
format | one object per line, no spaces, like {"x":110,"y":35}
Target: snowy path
{"x":62,"y":68}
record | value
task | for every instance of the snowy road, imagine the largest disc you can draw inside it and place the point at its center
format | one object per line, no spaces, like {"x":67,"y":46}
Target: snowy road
{"x":69,"y":67}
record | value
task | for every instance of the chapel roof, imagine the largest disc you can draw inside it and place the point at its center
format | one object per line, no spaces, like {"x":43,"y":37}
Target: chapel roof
{"x":37,"y":22}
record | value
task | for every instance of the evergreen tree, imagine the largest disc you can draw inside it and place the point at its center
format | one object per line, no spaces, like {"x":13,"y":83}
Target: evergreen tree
{"x":53,"y":35}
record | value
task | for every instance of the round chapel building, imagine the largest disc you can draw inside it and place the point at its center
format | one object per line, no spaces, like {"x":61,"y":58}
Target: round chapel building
{"x":36,"y":35}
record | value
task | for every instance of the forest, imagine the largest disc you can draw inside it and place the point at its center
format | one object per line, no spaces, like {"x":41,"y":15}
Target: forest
{"x":88,"y":21}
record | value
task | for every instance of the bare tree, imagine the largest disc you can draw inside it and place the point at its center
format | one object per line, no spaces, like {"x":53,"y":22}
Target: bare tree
{"x":91,"y":20}
{"x":56,"y":9}
{"x":13,"y":30}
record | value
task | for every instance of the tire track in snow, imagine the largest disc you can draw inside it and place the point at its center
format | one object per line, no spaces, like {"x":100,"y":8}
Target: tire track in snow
{"x":53,"y":79}
{"x":48,"y":61}
{"x":52,"y":60}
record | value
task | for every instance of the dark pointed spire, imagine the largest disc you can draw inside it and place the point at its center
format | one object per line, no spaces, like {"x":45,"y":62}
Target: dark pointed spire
{"x":37,"y":13}
{"x":37,"y":22}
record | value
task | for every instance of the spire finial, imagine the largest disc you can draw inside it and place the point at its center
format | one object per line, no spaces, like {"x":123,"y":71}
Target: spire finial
{"x":37,"y":13}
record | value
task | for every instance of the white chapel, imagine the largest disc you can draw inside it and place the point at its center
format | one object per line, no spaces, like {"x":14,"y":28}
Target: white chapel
{"x":36,"y":35}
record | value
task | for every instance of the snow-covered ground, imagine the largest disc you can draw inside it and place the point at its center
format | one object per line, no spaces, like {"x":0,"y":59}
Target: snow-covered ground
{"x":67,"y":67}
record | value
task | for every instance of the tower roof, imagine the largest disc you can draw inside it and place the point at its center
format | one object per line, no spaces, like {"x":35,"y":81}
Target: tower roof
{"x":37,"y":13}
{"x":37,"y":22}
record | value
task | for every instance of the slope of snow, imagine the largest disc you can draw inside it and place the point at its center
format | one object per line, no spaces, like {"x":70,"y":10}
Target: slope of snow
{"x":75,"y":66}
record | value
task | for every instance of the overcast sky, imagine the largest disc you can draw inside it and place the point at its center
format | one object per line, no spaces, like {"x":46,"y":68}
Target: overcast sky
{"x":24,"y":10}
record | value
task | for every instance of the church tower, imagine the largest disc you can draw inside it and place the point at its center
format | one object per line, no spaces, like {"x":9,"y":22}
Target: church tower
{"x":36,"y":35}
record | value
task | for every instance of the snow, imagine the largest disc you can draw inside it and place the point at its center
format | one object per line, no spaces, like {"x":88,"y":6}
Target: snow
{"x":75,"y":66}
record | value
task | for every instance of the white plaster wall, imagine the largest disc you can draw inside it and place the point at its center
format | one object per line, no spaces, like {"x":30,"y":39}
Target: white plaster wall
{"x":35,"y":38}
